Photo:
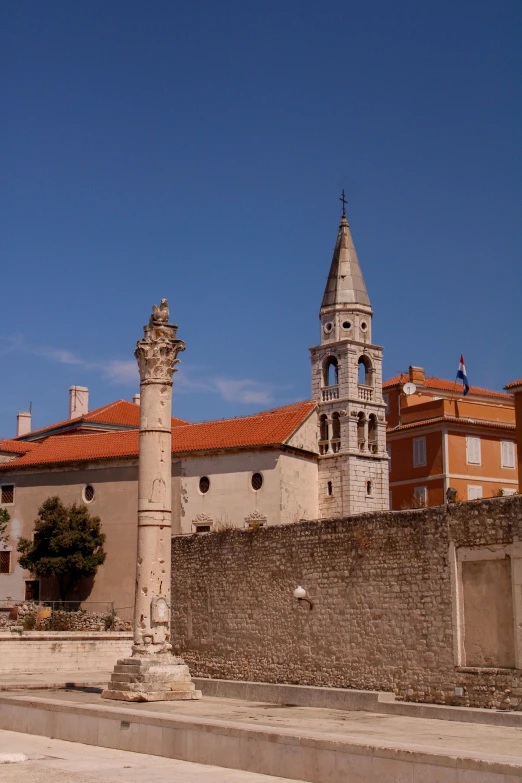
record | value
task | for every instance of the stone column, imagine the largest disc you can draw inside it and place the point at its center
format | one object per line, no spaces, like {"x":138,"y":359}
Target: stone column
{"x":153,"y":673}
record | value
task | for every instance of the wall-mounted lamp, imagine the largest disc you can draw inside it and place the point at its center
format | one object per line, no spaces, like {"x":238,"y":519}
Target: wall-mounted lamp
{"x":301,"y":595}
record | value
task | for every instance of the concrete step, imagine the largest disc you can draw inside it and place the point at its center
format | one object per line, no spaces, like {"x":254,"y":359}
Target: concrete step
{"x":308,"y":744}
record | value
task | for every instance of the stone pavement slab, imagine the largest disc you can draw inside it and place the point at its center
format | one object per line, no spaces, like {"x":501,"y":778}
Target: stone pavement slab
{"x":385,"y":731}
{"x":302,"y":743}
{"x":72,"y":762}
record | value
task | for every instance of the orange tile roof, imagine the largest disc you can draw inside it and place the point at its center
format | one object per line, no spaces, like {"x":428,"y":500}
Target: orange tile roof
{"x":452,"y":419}
{"x":512,"y":384}
{"x":262,"y":429}
{"x":16,"y":446}
{"x":122,"y":412}
{"x":443,"y":385}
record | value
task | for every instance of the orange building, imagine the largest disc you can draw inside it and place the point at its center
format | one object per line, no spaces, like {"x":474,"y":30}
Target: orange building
{"x":437,"y":439}
{"x":515,"y":387}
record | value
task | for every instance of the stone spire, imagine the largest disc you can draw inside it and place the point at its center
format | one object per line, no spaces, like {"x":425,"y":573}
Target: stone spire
{"x":345,"y":284}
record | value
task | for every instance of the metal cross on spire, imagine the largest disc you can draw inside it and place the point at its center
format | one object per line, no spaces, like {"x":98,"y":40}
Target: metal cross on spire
{"x":344,"y":202}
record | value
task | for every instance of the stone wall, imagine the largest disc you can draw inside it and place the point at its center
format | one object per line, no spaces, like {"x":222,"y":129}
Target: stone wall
{"x":385,"y":598}
{"x":35,"y":651}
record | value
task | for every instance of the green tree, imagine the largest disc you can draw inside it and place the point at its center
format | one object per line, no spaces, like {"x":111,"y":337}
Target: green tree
{"x":4,"y":519}
{"x":67,"y":546}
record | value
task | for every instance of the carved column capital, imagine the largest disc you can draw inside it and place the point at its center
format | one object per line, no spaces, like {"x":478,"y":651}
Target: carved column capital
{"x":157,"y":350}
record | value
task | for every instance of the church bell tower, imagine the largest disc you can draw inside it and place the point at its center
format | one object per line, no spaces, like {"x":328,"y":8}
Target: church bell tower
{"x":347,"y":386}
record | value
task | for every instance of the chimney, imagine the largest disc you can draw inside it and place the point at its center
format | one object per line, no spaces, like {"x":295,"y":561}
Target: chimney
{"x":78,"y":401}
{"x":23,"y":423}
{"x":417,"y":376}
{"x":136,"y":399}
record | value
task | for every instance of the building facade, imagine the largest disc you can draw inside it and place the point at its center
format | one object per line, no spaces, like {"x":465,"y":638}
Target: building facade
{"x":438,"y":439}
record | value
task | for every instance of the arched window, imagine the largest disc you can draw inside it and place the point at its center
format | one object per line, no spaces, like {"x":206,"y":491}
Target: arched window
{"x":361,"y":431}
{"x":365,"y":372}
{"x":372,"y":432}
{"x":336,"y":432}
{"x":324,"y":435}
{"x":331,"y":372}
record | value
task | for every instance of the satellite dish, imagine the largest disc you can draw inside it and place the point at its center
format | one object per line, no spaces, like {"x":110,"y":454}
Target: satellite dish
{"x":409,"y":388}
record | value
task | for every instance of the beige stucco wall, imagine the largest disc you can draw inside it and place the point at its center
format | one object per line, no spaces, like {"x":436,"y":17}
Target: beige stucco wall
{"x":307,"y":436}
{"x":289,"y":493}
{"x":230,"y":497}
{"x":299,"y":498}
{"x":115,"y":502}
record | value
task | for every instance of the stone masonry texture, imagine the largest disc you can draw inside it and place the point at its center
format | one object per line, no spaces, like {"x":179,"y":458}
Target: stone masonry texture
{"x":383,"y":604}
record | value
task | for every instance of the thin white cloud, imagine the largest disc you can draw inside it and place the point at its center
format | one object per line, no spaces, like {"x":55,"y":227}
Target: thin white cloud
{"x":245,"y":391}
{"x":119,"y":371}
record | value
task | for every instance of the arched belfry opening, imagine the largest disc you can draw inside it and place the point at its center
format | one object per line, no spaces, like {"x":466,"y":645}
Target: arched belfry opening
{"x":365,"y":371}
{"x":336,"y":432}
{"x":324,"y":434}
{"x":331,"y":372}
{"x":372,"y":433}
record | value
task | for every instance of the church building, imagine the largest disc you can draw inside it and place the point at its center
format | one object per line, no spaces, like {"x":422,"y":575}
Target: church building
{"x":320,"y":458}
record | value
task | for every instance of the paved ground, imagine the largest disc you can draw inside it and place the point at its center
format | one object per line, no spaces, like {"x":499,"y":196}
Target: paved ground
{"x":71,"y":762}
{"x":494,"y":743}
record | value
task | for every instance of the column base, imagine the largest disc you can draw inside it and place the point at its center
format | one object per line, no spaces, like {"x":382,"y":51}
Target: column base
{"x":154,"y":678}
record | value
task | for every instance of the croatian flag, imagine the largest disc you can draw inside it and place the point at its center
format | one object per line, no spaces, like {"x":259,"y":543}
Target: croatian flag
{"x":462,"y":375}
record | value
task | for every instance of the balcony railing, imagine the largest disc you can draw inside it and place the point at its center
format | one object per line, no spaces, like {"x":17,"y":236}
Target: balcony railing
{"x":365,"y":393}
{"x":330,"y":393}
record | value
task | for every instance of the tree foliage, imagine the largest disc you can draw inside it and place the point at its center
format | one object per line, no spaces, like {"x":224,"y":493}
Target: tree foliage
{"x":67,"y":546}
{"x":4,"y":519}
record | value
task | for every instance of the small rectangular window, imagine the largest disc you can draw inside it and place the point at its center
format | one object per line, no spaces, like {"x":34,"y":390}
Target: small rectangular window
{"x":202,"y":528}
{"x":474,"y":492}
{"x":507,"y":491}
{"x":7,"y":494}
{"x":419,"y":452}
{"x":386,"y":398}
{"x":388,"y":449}
{"x":421,"y":495}
{"x":472,"y":450}
{"x":5,"y":562}
{"x":507,"y":453}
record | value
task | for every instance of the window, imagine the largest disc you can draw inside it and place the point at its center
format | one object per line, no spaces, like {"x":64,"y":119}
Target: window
{"x":419,"y":452}
{"x":472,"y":450}
{"x":202,"y":528}
{"x":386,"y":398}
{"x":329,"y":489}
{"x":507,"y":491}
{"x":7,"y":494}
{"x":331,"y":372}
{"x":474,"y":492}
{"x":88,"y":493}
{"x":204,"y":485}
{"x":32,"y":590}
{"x":364,"y":371}
{"x":388,"y":450}
{"x":257,"y":481}
{"x":421,"y":496}
{"x":361,"y":430}
{"x":336,"y":432}
{"x":372,"y":433}
{"x":369,"y":488}
{"x":507,"y":453}
{"x":347,"y":325}
{"x":5,"y":562}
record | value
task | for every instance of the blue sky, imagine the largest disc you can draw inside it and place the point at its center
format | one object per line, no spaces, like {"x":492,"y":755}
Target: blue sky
{"x":196,"y":151}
